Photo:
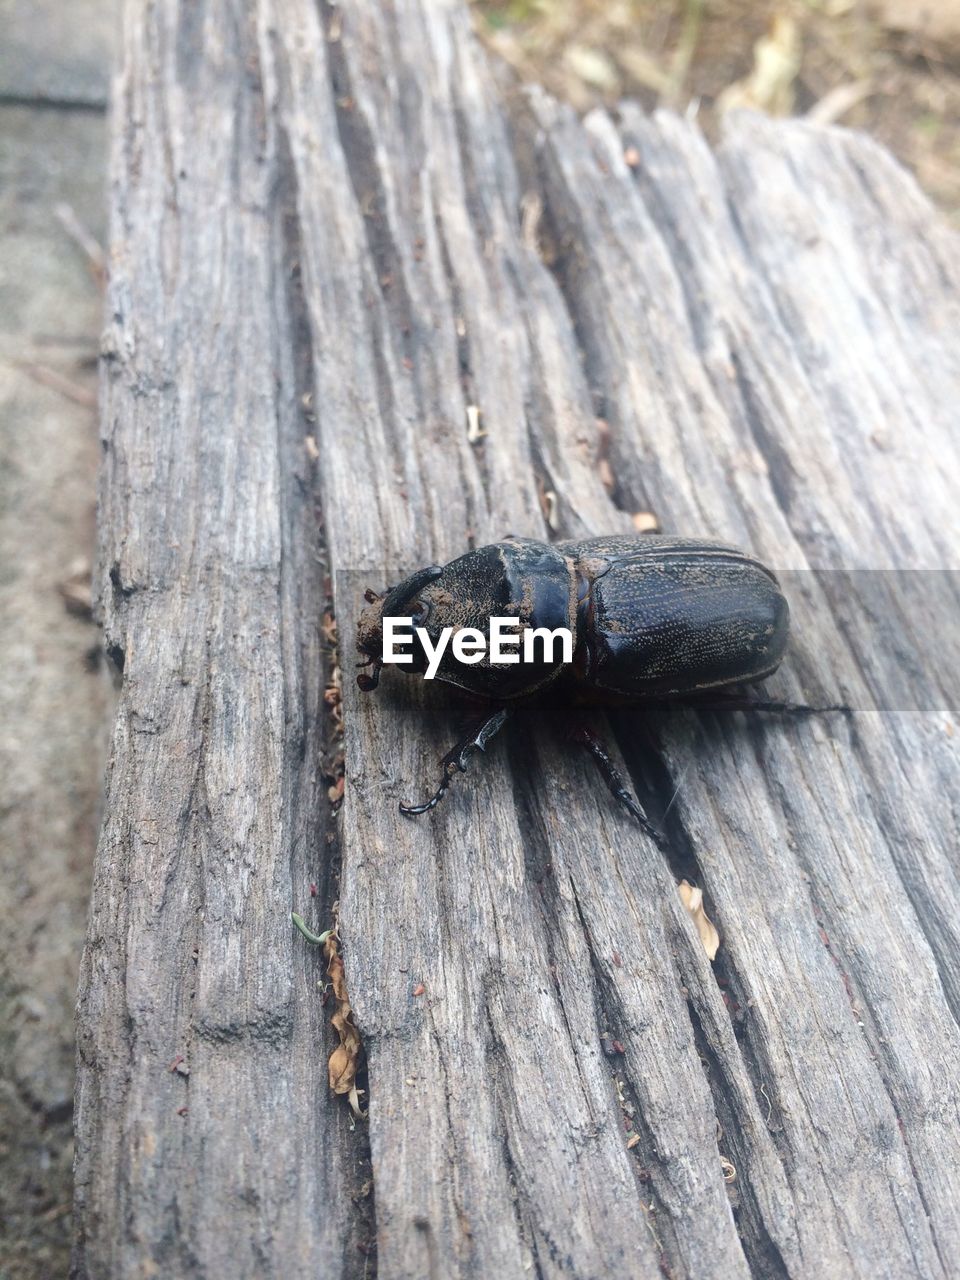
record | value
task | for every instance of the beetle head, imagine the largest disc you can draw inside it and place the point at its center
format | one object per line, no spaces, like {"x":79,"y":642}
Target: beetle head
{"x":399,"y":601}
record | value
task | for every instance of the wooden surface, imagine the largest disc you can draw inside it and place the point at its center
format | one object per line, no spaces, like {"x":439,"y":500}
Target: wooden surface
{"x":336,"y":224}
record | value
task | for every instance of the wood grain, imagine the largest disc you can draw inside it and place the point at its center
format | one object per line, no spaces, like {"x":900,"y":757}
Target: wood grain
{"x":345,"y":205}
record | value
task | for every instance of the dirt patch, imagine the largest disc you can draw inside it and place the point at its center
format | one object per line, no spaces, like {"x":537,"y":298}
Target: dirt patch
{"x":53,"y":697}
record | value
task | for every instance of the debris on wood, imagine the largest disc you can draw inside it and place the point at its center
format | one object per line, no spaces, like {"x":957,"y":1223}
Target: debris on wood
{"x":344,"y":1061}
{"x":548,"y":505}
{"x":475,"y":432}
{"x":693,"y":901}
{"x":603,"y":455}
{"x":332,"y":696}
{"x":531,"y":211}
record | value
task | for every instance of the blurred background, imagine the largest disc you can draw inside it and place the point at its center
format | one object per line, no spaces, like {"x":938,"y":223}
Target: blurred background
{"x":889,"y":67}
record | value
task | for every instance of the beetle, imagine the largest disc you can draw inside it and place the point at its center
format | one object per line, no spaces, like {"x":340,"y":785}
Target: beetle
{"x":655,"y":619}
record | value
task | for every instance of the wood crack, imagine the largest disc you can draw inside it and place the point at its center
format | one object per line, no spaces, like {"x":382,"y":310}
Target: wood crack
{"x":762,"y":1252}
{"x":644,"y":1161}
{"x":314,"y":741}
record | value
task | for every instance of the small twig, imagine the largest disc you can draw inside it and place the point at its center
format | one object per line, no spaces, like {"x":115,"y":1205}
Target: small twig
{"x":840,"y":99}
{"x":763,"y":1090}
{"x":84,"y":239}
{"x":531,"y":211}
{"x":48,"y":377}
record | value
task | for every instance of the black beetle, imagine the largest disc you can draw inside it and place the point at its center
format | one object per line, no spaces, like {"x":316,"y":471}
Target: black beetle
{"x":654,"y":619}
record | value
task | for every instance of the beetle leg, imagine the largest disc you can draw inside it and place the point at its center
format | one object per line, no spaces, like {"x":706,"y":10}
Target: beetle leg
{"x":368,"y":683}
{"x":456,"y":759}
{"x":743,"y":702}
{"x":616,"y":785}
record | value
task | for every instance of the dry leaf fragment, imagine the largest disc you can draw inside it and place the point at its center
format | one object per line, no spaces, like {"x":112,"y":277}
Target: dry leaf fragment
{"x":531,"y":211}
{"x":342,"y":1064}
{"x":692,"y":898}
{"x":606,"y":474}
{"x":474,"y":430}
{"x":548,"y":504}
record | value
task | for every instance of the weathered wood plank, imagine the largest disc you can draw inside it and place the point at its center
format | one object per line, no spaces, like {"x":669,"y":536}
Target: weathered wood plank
{"x":214,"y":815}
{"x":767,"y":331}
